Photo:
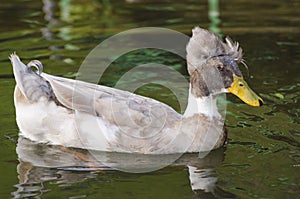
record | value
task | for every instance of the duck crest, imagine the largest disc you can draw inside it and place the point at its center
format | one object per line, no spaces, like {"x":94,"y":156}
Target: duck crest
{"x":204,"y":45}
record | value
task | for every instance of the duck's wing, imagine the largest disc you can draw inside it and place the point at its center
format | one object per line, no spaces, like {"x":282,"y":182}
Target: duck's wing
{"x":116,"y":106}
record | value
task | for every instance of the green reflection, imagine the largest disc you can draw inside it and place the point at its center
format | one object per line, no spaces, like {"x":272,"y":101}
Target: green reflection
{"x":213,"y":15}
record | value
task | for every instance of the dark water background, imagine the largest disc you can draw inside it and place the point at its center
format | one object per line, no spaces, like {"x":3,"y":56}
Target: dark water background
{"x":262,"y":158}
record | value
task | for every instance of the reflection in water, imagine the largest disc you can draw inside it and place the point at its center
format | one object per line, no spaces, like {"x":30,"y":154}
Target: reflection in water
{"x":55,"y":14}
{"x":49,"y":9}
{"x":213,"y":15}
{"x":40,"y":164}
{"x":208,"y":179}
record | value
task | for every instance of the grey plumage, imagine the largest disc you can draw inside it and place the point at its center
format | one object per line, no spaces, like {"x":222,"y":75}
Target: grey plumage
{"x":91,"y":116}
{"x":204,"y":45}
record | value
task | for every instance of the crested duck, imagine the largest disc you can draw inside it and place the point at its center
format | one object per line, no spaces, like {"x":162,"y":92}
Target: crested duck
{"x":73,"y":113}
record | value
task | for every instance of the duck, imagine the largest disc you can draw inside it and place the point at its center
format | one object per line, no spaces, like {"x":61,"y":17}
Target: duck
{"x":59,"y":111}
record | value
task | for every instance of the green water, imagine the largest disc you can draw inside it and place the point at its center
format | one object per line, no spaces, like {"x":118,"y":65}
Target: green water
{"x":262,"y":157}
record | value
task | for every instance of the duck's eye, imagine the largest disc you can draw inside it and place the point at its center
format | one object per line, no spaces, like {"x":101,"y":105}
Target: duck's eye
{"x":220,"y":67}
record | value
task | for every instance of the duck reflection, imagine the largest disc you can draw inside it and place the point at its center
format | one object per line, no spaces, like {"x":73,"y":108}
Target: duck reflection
{"x":39,"y":164}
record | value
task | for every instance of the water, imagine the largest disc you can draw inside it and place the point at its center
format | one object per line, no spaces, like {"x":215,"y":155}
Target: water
{"x":262,"y":158}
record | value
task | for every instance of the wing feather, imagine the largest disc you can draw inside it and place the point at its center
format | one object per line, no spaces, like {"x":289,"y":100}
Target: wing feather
{"x":118,"y":107}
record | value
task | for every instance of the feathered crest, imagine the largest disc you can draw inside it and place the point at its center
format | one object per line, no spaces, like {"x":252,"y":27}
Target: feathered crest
{"x":204,"y":45}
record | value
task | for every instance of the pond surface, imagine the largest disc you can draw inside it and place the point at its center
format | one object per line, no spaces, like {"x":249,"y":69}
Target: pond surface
{"x":262,"y":157}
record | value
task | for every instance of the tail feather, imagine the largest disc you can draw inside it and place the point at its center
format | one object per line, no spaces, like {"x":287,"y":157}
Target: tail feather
{"x":30,"y":83}
{"x":19,"y":70}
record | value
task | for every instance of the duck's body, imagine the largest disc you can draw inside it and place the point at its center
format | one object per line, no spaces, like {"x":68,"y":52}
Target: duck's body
{"x":72,"y":113}
{"x":55,"y":121}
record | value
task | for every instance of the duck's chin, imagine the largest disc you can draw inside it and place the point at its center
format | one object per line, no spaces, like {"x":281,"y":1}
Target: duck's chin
{"x":219,"y":92}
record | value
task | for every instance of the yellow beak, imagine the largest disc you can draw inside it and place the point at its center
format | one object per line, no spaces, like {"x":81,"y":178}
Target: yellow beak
{"x":241,"y":89}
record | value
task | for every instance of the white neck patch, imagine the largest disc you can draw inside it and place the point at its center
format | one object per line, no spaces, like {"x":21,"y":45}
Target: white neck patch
{"x":202,"y":105}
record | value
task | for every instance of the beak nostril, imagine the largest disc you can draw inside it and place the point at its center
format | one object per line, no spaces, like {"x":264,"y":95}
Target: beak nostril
{"x":260,"y":102}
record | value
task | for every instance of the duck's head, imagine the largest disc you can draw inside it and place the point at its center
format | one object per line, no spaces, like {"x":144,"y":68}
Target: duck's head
{"x":213,"y":67}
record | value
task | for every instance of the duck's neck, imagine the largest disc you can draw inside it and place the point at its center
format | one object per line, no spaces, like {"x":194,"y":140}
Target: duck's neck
{"x":205,"y":105}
